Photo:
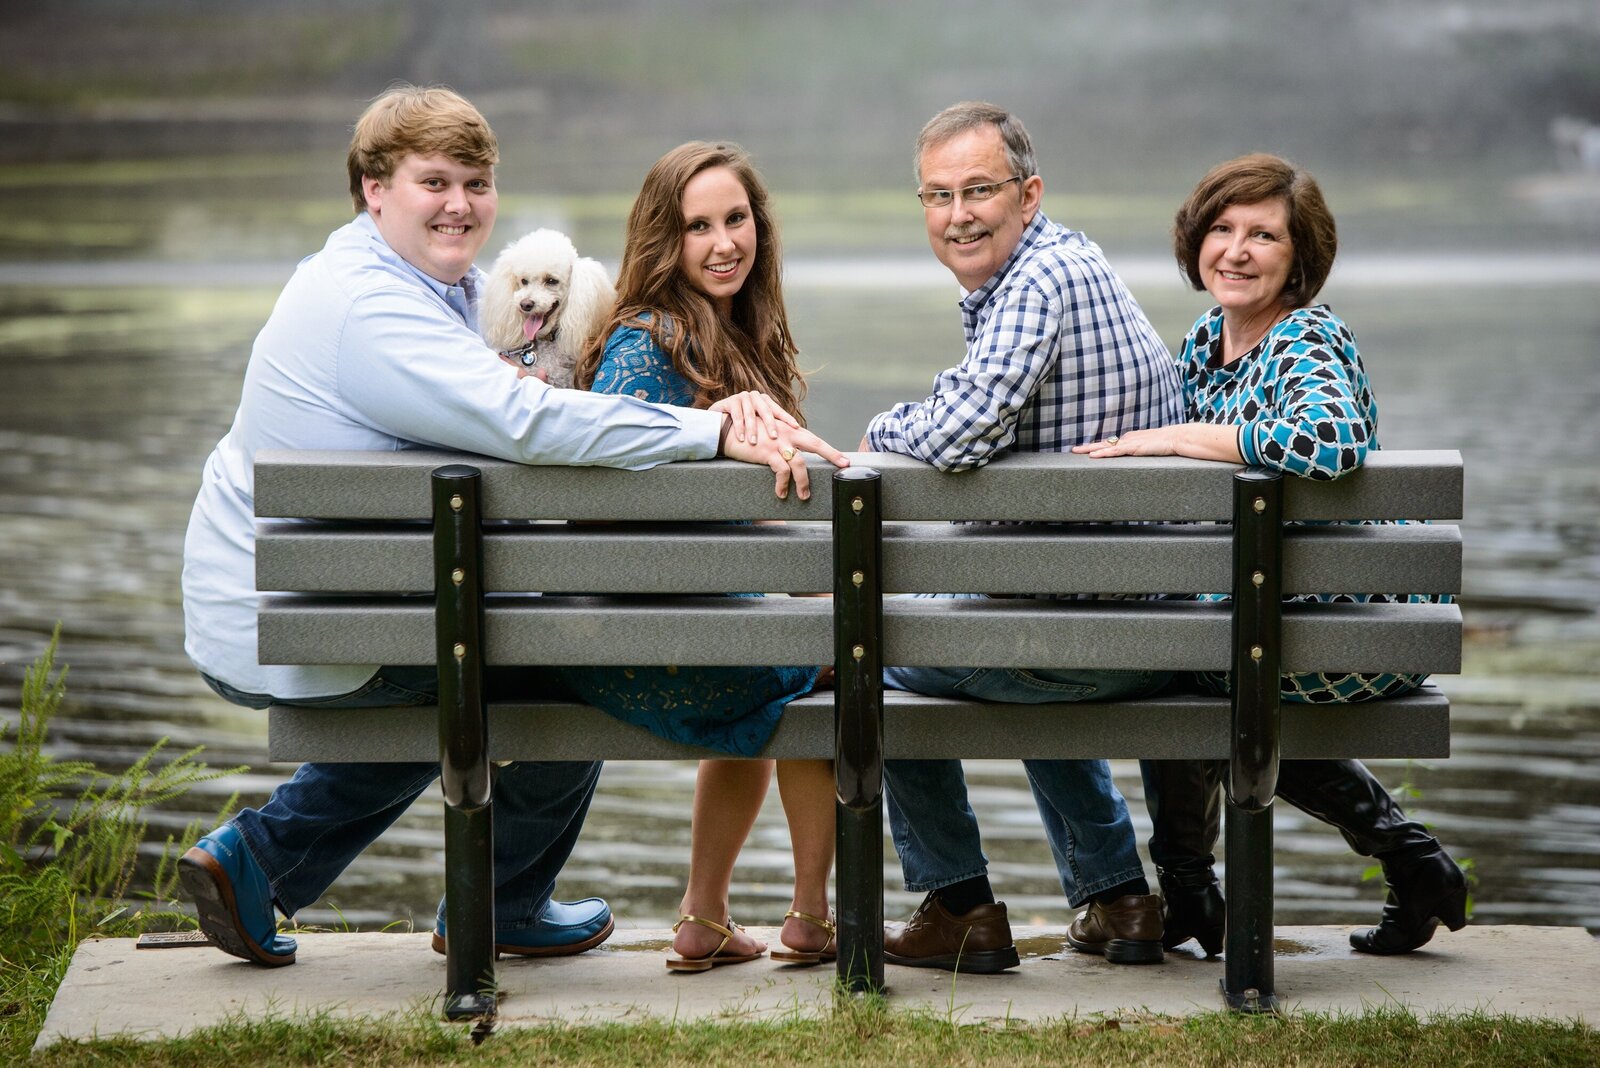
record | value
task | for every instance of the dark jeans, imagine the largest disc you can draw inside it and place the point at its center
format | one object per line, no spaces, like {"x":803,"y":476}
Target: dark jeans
{"x":1085,"y":818}
{"x":315,"y":824}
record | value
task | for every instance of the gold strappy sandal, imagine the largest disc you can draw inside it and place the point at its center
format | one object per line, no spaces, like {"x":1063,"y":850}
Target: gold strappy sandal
{"x":716,"y":956}
{"x":828,"y":952}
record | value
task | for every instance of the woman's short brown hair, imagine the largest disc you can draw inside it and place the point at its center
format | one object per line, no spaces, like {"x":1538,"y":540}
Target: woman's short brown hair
{"x":1250,"y":180}
{"x":408,"y":120}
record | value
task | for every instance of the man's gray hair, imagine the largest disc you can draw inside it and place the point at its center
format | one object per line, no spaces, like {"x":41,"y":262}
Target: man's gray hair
{"x":970,"y":115}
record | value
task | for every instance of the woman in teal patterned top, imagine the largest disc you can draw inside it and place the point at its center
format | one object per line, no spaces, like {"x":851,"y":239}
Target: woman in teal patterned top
{"x":1270,"y":379}
{"x":700,"y":316}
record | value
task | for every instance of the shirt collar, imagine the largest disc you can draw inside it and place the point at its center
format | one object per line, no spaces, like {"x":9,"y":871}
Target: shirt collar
{"x":1031,"y":234}
{"x":457,"y":296}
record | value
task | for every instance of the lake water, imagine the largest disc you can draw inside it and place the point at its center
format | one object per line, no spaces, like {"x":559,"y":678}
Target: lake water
{"x":120,"y":366}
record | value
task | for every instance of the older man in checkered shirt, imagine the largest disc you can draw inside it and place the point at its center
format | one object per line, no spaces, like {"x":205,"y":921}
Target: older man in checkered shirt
{"x":1058,"y":353}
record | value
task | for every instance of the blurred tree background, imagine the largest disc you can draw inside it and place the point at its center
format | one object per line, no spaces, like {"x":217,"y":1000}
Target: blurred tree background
{"x":224,"y":122}
{"x":826,"y":91}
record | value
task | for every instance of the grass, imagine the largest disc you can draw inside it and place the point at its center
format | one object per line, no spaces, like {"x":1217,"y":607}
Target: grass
{"x":868,"y":1033}
{"x":70,"y":838}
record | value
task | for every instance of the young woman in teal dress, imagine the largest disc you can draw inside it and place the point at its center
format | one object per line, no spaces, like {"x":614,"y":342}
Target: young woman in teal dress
{"x":1271,"y":379}
{"x":699,"y":317}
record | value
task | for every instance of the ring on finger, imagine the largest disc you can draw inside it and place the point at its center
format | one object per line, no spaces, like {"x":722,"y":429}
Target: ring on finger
{"x":787,"y":454}
{"x":1113,"y":439}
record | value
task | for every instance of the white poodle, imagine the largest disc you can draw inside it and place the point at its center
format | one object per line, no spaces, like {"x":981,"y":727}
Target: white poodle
{"x":543,"y":302}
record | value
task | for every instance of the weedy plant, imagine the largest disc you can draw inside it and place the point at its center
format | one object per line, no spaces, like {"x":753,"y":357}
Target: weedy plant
{"x":70,"y":838}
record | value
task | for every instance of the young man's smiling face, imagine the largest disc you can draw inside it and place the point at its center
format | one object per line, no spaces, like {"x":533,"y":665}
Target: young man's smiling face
{"x":975,"y":238}
{"x":435,"y":212}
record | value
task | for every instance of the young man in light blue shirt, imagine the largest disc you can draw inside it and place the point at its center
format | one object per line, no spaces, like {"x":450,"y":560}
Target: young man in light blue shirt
{"x":372,"y":345}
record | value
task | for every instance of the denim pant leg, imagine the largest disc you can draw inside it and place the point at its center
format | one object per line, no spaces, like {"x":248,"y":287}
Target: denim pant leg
{"x":938,"y":842}
{"x":1087,"y":824}
{"x":539,"y":809}
{"x":315,"y":824}
{"x":1085,"y":818}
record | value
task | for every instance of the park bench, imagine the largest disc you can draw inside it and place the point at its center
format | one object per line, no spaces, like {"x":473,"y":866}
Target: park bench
{"x":352,"y":547}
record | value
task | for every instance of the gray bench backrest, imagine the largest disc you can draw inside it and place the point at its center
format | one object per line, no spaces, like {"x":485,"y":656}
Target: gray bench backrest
{"x":376,"y":543}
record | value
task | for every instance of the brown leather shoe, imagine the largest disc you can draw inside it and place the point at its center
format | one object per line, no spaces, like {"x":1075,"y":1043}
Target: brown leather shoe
{"x":1127,"y":931}
{"x":978,"y":941}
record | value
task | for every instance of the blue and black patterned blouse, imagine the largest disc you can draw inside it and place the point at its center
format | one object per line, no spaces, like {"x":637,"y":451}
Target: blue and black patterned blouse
{"x":1300,"y":398}
{"x":1303,"y":406}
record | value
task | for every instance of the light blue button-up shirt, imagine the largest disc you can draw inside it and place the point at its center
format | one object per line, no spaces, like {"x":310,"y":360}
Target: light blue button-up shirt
{"x":365,"y":351}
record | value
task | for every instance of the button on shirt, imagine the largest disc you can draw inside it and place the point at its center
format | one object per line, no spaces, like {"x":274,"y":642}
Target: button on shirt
{"x":364,"y":351}
{"x":1058,"y":353}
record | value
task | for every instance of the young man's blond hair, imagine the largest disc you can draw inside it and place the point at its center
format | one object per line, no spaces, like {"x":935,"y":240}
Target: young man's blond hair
{"x":408,"y":120}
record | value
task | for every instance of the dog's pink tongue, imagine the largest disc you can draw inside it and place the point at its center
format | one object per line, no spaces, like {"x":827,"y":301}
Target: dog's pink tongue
{"x":531,"y":326}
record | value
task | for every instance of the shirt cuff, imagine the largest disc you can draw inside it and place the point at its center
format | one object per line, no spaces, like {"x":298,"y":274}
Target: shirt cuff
{"x":1247,"y":445}
{"x":881,"y":433}
{"x":704,"y":432}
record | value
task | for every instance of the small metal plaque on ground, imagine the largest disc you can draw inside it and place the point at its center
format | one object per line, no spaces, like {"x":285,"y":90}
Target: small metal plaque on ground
{"x":171,"y":940}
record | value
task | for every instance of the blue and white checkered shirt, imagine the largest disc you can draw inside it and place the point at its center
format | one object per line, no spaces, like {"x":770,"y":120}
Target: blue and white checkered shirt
{"x":1058,"y":353}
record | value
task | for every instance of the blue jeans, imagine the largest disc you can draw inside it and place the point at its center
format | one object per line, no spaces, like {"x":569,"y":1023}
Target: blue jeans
{"x":315,"y":824}
{"x":1085,"y":818}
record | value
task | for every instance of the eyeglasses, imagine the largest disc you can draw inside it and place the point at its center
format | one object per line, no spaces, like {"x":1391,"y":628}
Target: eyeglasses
{"x":972,"y":194}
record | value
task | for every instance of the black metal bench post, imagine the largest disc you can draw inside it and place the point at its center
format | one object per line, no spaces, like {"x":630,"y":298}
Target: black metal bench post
{"x":858,"y":723}
{"x":1248,"y":984}
{"x":463,"y":743}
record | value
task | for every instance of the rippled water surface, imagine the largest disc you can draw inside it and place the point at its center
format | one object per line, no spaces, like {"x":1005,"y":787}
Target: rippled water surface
{"x":114,"y":389}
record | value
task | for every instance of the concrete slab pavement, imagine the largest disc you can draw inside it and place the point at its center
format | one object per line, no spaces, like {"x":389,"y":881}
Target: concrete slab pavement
{"x":113,"y":988}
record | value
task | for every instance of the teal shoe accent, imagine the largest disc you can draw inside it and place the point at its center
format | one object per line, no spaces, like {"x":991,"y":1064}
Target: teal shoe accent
{"x":563,"y":928}
{"x":233,"y":899}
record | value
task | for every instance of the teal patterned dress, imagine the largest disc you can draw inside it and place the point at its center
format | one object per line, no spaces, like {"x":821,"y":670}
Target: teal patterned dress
{"x":1303,"y":406}
{"x":730,"y":709}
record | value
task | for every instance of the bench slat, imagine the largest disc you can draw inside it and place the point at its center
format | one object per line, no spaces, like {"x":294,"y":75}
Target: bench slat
{"x":917,"y":558}
{"x":915,"y":727}
{"x":1175,"y":635}
{"x":1021,"y":486}
{"x":554,"y":558}
{"x":1170,"y":635}
{"x":926,"y":558}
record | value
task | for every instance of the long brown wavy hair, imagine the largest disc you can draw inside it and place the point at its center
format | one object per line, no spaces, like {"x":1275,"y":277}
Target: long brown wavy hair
{"x":720,"y":355}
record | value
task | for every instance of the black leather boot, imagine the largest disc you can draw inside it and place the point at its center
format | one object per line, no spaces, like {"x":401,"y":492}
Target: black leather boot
{"x":1185,"y":802}
{"x":1425,"y":890}
{"x":1193,"y":908}
{"x":1426,"y":887}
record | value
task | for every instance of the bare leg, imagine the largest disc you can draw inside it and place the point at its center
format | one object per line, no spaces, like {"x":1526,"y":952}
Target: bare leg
{"x":727,"y":797}
{"x":808,"y":793}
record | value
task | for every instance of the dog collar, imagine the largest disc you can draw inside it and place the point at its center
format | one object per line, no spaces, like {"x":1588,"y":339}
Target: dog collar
{"x":523,"y":353}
